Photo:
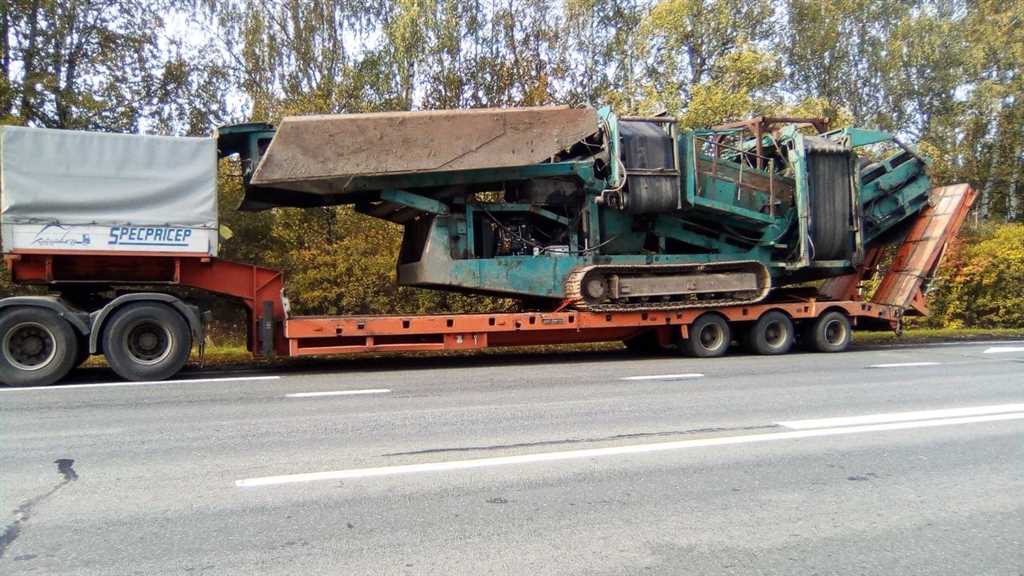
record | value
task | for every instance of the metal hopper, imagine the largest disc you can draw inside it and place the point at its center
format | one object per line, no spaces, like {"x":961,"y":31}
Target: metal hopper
{"x":341,"y":155}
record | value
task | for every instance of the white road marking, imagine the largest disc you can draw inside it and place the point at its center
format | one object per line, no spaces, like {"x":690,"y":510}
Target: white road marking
{"x":904,"y":364}
{"x":941,"y":344}
{"x":664,"y":377}
{"x":338,"y":393}
{"x":149,"y":383}
{"x":997,"y":350}
{"x":901,"y":416}
{"x":358,"y":473}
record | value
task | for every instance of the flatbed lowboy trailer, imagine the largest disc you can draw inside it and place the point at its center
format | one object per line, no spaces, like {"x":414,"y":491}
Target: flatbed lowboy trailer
{"x":148,"y":333}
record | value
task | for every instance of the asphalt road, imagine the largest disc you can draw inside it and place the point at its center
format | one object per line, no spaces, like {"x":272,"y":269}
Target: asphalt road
{"x":902,"y":460}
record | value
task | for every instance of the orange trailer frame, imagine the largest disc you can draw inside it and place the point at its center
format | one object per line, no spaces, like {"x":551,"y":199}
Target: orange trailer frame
{"x":347,"y":335}
{"x":260,"y":291}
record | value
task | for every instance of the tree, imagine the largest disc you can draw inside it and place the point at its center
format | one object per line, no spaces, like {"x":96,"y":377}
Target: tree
{"x":685,"y":42}
{"x":834,"y":51}
{"x":981,"y":139}
{"x":99,"y":65}
{"x":741,"y":87}
{"x":601,"y":61}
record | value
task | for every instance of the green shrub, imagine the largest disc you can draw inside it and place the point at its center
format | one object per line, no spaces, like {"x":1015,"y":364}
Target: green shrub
{"x":982,"y":281}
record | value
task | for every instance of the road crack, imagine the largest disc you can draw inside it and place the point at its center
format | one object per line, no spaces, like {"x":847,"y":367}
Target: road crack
{"x":24,"y":510}
{"x":710,"y":430}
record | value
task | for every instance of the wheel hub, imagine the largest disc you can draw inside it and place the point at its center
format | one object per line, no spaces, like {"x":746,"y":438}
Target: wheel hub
{"x":774,"y":334}
{"x":29,"y":346}
{"x":710,"y":337}
{"x":148,"y":342}
{"x":32,"y":345}
{"x":834,"y":332}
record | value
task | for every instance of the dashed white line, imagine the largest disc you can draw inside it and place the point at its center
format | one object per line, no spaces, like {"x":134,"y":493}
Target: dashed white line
{"x":338,"y":393}
{"x":147,"y":383}
{"x":904,"y":364}
{"x":359,"y":473}
{"x":901,"y":416}
{"x":1003,"y":350}
{"x":664,"y":377}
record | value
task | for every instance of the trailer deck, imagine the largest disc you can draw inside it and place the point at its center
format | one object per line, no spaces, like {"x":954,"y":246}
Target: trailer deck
{"x":356,"y":334}
{"x":260,"y":290}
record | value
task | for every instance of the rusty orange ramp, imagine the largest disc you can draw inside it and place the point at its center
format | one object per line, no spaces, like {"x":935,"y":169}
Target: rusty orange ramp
{"x":324,"y":154}
{"x":921,"y":251}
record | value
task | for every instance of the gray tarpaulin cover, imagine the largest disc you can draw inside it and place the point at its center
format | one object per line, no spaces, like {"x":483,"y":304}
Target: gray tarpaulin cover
{"x":77,"y":179}
{"x":110,"y":179}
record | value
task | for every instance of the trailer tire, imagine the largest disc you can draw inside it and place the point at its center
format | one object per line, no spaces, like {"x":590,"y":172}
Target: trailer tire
{"x":38,"y":347}
{"x":772,"y":334}
{"x":830,"y":332}
{"x":646,"y":344}
{"x":146,"y":341}
{"x":710,"y":337}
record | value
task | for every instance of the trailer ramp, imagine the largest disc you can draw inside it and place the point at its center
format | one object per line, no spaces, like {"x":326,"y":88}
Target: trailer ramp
{"x":920,"y":254}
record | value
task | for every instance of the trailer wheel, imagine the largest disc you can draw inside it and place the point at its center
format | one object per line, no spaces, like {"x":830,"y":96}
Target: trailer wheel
{"x":830,"y":332}
{"x":39,"y":348}
{"x":710,"y":337}
{"x":771,"y":334}
{"x":646,"y":343}
{"x":146,"y":341}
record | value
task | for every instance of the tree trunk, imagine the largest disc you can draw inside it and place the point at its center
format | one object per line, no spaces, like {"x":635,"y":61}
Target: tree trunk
{"x":26,"y":111}
{"x":6,"y":96}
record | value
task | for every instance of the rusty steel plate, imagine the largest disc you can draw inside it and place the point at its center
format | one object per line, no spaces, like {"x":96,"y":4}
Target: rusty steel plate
{"x":321,"y":154}
{"x":922,"y":250}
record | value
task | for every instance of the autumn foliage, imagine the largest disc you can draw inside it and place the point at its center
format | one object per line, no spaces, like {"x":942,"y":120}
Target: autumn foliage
{"x":982,"y":281}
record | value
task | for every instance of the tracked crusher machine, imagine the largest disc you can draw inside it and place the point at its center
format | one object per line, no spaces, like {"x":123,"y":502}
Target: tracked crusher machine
{"x":576,"y":207}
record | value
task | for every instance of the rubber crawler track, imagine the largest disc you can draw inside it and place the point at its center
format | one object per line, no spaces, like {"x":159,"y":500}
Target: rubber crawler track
{"x":574,"y":286}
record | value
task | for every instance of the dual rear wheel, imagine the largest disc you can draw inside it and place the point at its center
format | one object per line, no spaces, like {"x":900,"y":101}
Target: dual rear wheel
{"x":140,"y":340}
{"x":38,"y":347}
{"x":146,"y":341}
